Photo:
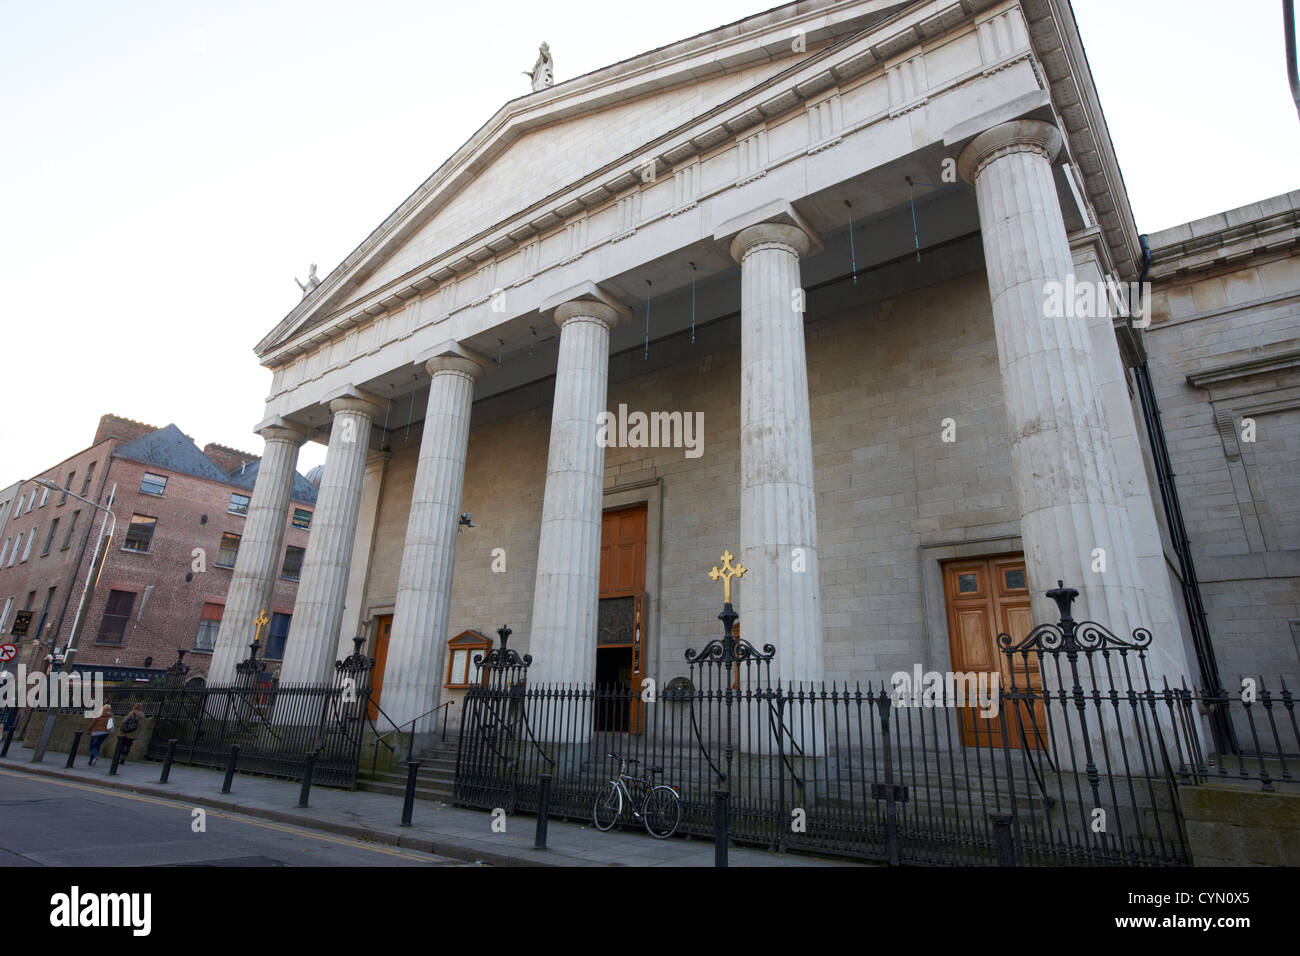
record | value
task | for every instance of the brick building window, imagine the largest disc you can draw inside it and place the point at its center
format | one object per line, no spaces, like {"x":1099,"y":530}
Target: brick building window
{"x":277,"y":636}
{"x":239,"y":504}
{"x":4,"y":550}
{"x":31,"y":536}
{"x":72,"y":526}
{"x":45,"y":493}
{"x":229,"y":549}
{"x":116,"y":613}
{"x":152,"y":484}
{"x":68,"y":486}
{"x":18,"y":543}
{"x":209,"y":624}
{"x":139,"y":537}
{"x":292,"y":563}
{"x":85,"y":485}
{"x":49,"y":541}
{"x":301,"y":518}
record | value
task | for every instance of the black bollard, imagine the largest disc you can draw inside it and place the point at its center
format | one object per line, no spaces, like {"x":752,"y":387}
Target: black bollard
{"x":306,"y":778}
{"x":543,"y":810}
{"x":167,"y":763}
{"x":9,"y":738}
{"x":117,"y":757}
{"x":230,"y":768}
{"x":408,"y":805}
{"x":721,"y":800}
{"x":72,"y":751}
{"x":1003,"y":838}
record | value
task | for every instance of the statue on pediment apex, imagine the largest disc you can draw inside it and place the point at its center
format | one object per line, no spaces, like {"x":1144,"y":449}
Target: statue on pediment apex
{"x":543,"y":72}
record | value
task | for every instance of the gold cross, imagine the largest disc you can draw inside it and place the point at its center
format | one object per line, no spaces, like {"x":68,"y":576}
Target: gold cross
{"x":727,"y":573}
{"x":261,"y":621}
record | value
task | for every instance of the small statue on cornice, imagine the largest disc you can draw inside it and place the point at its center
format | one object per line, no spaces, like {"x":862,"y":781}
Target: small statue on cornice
{"x":543,"y":71}
{"x":312,"y":282}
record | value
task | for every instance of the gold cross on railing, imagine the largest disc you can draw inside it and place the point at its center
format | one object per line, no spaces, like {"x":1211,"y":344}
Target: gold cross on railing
{"x":261,"y":621}
{"x":727,"y":573}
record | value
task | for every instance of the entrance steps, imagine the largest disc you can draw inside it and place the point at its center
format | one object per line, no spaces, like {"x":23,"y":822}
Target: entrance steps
{"x":433,"y":781}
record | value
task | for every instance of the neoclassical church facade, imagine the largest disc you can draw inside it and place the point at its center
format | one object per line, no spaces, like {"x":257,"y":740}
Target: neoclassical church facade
{"x":777,"y":289}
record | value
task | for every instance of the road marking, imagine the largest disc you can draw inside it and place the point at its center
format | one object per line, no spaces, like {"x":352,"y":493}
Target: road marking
{"x":238,"y":818}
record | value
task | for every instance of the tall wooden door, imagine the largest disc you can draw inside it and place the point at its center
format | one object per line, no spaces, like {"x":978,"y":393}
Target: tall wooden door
{"x":987,"y":597}
{"x":383,"y":628}
{"x":621,"y":627}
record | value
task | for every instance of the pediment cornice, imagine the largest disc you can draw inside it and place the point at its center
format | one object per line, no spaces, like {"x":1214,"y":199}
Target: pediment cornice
{"x":826,"y":25}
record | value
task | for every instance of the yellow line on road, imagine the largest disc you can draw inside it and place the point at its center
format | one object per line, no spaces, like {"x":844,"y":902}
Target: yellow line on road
{"x":239,"y":818}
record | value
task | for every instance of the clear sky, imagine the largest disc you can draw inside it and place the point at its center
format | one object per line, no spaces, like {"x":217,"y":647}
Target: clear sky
{"x":169,"y":168}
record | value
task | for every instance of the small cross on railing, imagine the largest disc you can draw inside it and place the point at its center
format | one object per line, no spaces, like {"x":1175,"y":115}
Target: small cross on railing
{"x":726,"y":573}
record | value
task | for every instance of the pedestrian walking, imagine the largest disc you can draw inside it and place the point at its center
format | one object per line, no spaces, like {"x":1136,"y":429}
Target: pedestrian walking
{"x":99,"y":730}
{"x":131,"y":726}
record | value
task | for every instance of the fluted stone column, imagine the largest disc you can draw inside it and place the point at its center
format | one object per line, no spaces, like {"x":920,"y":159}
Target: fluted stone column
{"x":565,"y":597}
{"x":258,"y":561}
{"x":1072,"y":509}
{"x":318,"y":610}
{"x":414,"y":670}
{"x":779,"y":600}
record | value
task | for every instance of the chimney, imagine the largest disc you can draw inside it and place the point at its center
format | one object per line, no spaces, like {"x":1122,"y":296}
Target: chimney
{"x":123,"y":429}
{"x":228,"y":460}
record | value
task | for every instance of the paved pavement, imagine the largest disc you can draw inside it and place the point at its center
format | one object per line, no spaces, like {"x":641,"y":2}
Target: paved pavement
{"x":450,"y":832}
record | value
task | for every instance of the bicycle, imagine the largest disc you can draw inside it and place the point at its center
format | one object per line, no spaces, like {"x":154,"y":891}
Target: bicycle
{"x":660,"y":806}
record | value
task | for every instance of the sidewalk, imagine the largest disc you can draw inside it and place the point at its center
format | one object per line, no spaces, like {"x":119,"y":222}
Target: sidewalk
{"x":437,"y":828}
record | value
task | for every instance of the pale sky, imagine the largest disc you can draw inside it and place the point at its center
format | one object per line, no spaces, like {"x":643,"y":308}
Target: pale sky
{"x":169,"y":168}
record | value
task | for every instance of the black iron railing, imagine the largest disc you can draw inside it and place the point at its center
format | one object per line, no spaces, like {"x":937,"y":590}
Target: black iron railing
{"x":1069,"y":756}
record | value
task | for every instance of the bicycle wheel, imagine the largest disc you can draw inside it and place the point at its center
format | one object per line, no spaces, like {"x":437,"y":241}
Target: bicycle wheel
{"x":607,"y":807}
{"x":662,"y":812}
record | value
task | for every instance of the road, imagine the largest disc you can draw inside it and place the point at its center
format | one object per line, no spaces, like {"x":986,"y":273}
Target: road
{"x":46,"y":822}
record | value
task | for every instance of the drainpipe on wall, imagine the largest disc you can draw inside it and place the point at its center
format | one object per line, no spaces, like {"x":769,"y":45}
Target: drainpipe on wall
{"x":1206,"y":662}
{"x":1292,"y":67}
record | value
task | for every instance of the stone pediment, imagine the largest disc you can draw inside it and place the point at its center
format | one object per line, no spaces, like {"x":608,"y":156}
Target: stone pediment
{"x":549,"y":159}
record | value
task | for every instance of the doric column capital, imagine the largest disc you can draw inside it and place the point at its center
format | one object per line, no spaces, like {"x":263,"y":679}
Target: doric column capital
{"x":451,"y":356}
{"x":280,"y":429}
{"x":781,"y":234}
{"x":355,"y":400}
{"x":587,"y":309}
{"x":1017,"y":136}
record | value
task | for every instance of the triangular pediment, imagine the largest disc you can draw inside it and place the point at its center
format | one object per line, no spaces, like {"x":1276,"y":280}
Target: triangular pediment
{"x":557,"y":154}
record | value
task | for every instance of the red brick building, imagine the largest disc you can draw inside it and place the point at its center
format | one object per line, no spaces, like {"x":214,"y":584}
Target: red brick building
{"x":180,"y":513}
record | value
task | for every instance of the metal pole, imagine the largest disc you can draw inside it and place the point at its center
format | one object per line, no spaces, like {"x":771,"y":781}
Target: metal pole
{"x":230,"y":768}
{"x":721,"y":799}
{"x":306,"y":778}
{"x":72,"y":751}
{"x":117,"y":756}
{"x":408,"y":805}
{"x":543,"y":810}
{"x":167,"y":763}
{"x":92,"y":577}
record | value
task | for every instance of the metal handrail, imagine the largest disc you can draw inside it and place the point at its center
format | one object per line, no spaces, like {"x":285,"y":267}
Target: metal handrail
{"x":398,"y":729}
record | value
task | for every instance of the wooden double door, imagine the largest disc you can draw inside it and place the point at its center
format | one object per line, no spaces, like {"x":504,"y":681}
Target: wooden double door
{"x":987,"y":597}
{"x":621,"y":624}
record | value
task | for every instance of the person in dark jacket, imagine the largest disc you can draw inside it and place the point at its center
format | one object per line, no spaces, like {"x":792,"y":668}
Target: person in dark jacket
{"x":131,"y":726}
{"x":99,"y":729}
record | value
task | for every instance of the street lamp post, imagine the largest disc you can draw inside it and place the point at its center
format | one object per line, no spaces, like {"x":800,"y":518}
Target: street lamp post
{"x":92,"y":577}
